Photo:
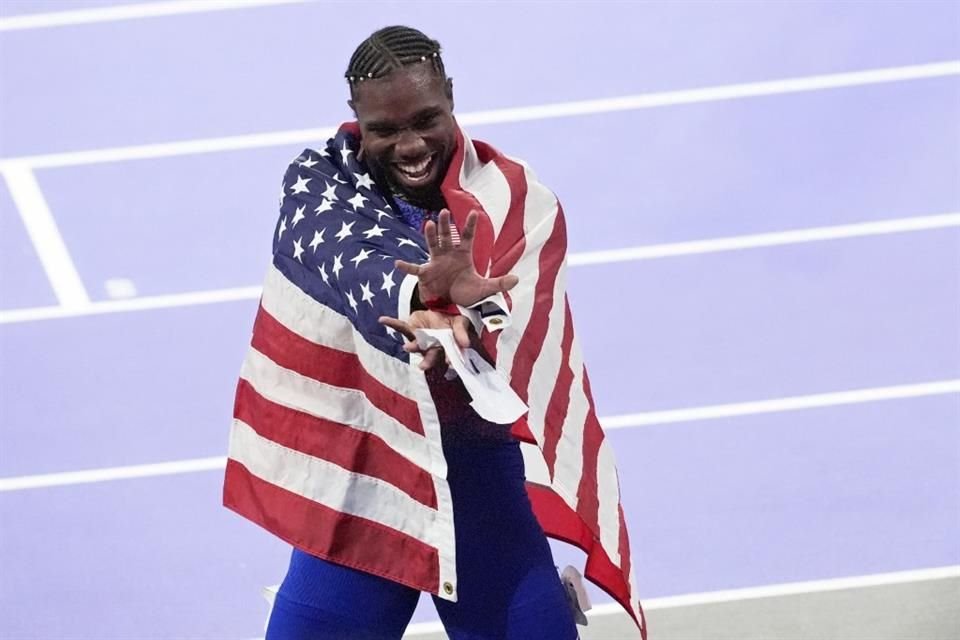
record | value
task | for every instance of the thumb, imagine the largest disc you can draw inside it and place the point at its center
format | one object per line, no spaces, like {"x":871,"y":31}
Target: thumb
{"x":508,"y":282}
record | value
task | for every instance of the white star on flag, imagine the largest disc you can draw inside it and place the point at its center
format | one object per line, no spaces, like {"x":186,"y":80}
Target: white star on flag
{"x":309,"y":162}
{"x":353,"y":302}
{"x":337,"y":265}
{"x":317,"y":239}
{"x":367,"y":294}
{"x":298,"y":249}
{"x":323,"y":273}
{"x":345,"y":152}
{"x":406,"y":241}
{"x":298,"y":215}
{"x":301,"y":185}
{"x":331,"y":192}
{"x":363,"y":180}
{"x":381,"y":213}
{"x":283,"y":227}
{"x":357,"y":201}
{"x":283,"y":193}
{"x":388,"y":283}
{"x":345,"y":230}
{"x":325,"y":205}
{"x":360,"y":257}
{"x":374,"y":231}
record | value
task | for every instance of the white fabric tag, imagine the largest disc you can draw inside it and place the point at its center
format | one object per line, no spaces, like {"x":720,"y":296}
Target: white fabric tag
{"x":492,"y":398}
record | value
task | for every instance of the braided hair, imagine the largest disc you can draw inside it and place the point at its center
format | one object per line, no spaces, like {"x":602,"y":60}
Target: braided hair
{"x":389,"y":49}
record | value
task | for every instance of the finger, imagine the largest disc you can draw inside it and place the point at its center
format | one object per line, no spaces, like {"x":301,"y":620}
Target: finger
{"x":461,"y":331}
{"x":408,"y":267}
{"x":431,"y":358}
{"x":490,"y":286}
{"x":430,"y":233}
{"x":398,"y":325}
{"x":507,"y":282}
{"x":470,"y":228}
{"x":446,"y":238}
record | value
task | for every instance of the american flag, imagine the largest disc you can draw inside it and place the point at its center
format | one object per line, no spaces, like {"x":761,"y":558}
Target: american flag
{"x":335,"y":443}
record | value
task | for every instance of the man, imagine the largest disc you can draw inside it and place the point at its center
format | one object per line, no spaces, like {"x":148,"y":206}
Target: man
{"x":402,"y":247}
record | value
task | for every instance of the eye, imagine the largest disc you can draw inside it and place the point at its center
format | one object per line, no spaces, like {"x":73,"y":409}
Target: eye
{"x":382,"y":132}
{"x":426,"y":121}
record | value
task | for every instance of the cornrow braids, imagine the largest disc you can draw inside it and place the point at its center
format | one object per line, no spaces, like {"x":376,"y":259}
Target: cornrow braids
{"x":389,"y":49}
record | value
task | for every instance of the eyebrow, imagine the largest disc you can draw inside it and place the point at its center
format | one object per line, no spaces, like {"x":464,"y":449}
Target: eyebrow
{"x":423,"y":114}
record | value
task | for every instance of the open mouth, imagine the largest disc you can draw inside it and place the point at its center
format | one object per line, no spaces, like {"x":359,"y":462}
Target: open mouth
{"x":417,"y":173}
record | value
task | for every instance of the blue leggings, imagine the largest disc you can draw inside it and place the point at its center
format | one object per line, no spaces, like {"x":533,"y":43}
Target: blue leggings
{"x":508,"y":587}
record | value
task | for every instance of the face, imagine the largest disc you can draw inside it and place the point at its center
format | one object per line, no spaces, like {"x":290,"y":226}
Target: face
{"x":409,"y":134}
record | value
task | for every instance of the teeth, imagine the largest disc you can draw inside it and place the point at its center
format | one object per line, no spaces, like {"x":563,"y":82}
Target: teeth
{"x":414,"y":170}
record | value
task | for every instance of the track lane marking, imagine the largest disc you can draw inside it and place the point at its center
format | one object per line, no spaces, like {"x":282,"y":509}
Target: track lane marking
{"x":114,"y":13}
{"x":698,"y":95}
{"x":647,"y":252}
{"x":774,"y":405}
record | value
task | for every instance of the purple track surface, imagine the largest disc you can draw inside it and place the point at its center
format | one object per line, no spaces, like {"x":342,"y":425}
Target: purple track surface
{"x":712,"y":503}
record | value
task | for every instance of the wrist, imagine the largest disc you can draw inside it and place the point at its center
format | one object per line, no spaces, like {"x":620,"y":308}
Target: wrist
{"x":441,"y":305}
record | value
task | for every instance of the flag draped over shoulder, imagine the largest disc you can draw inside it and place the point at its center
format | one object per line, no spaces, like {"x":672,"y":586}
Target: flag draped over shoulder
{"x":335,"y":444}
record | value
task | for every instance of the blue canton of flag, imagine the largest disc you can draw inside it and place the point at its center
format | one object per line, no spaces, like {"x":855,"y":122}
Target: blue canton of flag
{"x":338,"y":236}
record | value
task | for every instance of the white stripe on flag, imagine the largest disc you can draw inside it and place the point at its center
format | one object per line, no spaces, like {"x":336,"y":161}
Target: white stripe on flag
{"x":535,"y":467}
{"x":345,"y":406}
{"x":539,"y":217}
{"x":489,"y":186}
{"x":608,"y":497}
{"x":321,"y":325}
{"x":568,"y":469}
{"x":341,"y":490}
{"x":543,"y":377}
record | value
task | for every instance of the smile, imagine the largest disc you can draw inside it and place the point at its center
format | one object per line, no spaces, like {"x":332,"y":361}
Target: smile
{"x":416,"y":172}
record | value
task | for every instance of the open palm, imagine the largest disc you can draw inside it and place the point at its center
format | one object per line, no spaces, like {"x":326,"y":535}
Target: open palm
{"x":450,"y":275}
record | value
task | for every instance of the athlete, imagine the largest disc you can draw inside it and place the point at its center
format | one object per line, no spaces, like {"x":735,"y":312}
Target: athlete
{"x":420,"y":210}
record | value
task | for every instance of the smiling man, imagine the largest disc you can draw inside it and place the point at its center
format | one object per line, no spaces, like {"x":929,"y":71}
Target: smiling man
{"x":405,"y":252}
{"x":406,"y":119}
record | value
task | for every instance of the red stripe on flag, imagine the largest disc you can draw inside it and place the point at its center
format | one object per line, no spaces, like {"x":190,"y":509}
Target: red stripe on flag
{"x":461,"y":202}
{"x":624,"y":542}
{"x":345,"y":539}
{"x":588,"y":506}
{"x":521,"y":431}
{"x":511,"y":241}
{"x":352,"y":449}
{"x":330,"y":366}
{"x":560,"y":399}
{"x":560,"y":522}
{"x":550,"y":259}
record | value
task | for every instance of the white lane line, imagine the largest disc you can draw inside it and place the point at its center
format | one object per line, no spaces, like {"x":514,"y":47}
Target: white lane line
{"x":516,"y":114}
{"x":799,"y":588}
{"x":748,"y":593}
{"x":778,"y":405}
{"x":45,"y":236}
{"x":796,"y":403}
{"x":87,"y":476}
{"x":170,"y":301}
{"x":897,"y":225}
{"x":129,"y":12}
{"x":798,"y":236}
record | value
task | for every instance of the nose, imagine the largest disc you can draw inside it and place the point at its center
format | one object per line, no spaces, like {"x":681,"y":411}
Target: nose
{"x":410,"y":146}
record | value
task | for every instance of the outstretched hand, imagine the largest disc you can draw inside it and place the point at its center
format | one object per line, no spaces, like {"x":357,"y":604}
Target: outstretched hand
{"x":450,"y":275}
{"x":429,"y":320}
